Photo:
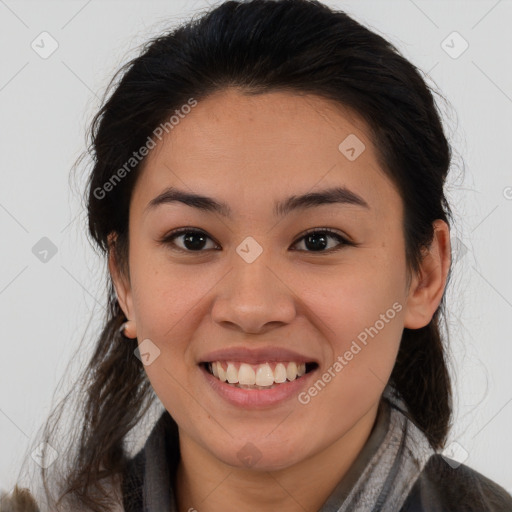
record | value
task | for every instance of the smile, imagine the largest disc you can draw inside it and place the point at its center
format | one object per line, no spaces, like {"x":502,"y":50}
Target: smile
{"x":258,"y":376}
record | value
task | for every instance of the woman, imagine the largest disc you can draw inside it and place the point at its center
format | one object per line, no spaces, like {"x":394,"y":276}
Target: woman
{"x":268,"y":190}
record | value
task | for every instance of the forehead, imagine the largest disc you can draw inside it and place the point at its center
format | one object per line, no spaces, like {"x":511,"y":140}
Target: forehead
{"x":257,"y":148}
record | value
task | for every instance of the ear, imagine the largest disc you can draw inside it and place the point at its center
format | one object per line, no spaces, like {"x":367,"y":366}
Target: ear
{"x":120,"y":280}
{"x":427,"y":286}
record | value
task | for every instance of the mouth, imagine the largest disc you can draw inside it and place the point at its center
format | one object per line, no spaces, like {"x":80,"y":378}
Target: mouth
{"x":267,"y":375}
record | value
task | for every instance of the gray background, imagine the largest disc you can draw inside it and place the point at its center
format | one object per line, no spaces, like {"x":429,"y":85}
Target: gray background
{"x":46,"y":299}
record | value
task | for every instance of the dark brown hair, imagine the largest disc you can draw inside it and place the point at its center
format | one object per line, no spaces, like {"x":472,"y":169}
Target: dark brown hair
{"x":260,"y":46}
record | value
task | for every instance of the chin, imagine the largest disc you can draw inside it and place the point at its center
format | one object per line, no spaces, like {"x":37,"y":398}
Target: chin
{"x":259,"y":454}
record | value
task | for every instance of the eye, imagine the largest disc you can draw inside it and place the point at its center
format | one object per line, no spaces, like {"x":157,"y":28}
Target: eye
{"x":194,"y":240}
{"x":317,"y":240}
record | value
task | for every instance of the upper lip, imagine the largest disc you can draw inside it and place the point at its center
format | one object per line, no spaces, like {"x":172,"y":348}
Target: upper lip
{"x":256,"y":356}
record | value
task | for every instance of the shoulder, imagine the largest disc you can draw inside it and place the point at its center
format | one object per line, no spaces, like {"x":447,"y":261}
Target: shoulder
{"x":445,"y":487}
{"x":20,"y":500}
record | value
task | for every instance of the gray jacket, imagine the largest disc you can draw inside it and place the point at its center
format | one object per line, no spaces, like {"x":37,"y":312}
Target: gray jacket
{"x":396,"y":471}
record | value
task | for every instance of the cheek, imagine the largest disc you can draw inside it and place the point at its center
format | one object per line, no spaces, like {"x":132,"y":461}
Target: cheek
{"x":362,"y":318}
{"x":166,"y":295}
{"x":170,"y":306}
{"x":355,"y":298}
{"x":167,"y":301}
{"x":362,"y":327}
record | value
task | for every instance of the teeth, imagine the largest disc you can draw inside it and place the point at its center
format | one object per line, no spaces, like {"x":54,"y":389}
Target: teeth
{"x":264,"y":375}
{"x":221,"y":372}
{"x":280,"y":373}
{"x":291,"y":371}
{"x":232,"y":374}
{"x":261,"y":375}
{"x":246,"y":375}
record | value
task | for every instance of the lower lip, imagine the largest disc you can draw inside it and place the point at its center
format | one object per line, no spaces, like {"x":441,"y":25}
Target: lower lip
{"x":257,"y":398}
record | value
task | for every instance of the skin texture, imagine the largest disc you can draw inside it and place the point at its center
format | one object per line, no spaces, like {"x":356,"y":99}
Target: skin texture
{"x":249,"y":152}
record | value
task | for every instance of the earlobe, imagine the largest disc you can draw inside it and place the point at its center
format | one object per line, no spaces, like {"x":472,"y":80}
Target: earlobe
{"x":427,"y":287}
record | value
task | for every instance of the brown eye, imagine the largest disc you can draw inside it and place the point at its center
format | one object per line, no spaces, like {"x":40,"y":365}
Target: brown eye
{"x":317,"y":240}
{"x":193,"y":240}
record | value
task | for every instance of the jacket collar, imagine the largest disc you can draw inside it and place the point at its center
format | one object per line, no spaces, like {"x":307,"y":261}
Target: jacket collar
{"x":381,"y":476}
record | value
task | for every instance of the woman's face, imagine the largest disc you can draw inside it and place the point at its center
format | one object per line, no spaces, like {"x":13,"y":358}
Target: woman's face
{"x":250,"y":287}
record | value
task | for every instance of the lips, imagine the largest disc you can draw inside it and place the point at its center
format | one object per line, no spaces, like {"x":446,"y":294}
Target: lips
{"x":257,"y":356}
{"x":256,"y":397}
{"x":257,"y":378}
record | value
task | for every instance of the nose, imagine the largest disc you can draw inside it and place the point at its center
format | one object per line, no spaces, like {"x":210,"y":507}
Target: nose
{"x":254,"y":297}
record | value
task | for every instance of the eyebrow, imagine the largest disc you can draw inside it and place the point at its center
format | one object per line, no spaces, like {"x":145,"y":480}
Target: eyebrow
{"x":336,"y":195}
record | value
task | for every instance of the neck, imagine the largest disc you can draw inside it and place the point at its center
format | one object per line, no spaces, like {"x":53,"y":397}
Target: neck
{"x":205,"y":483}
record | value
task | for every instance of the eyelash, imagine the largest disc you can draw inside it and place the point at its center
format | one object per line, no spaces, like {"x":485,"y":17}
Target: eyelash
{"x":168,"y":239}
